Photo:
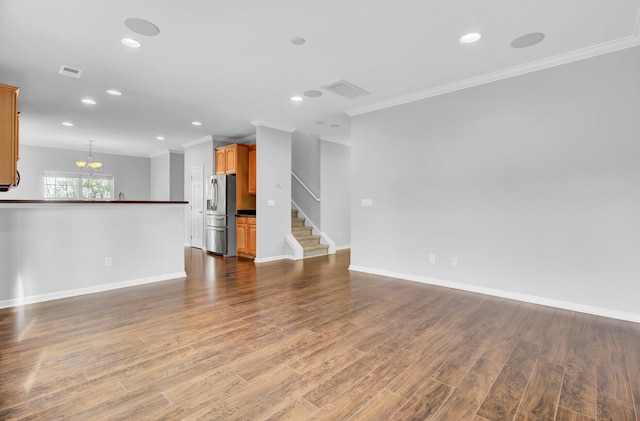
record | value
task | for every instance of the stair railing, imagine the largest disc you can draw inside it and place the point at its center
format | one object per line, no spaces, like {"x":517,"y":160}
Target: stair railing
{"x":316,"y":198}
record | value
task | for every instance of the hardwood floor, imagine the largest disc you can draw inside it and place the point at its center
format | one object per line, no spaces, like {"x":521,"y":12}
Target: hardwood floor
{"x":310,"y":340}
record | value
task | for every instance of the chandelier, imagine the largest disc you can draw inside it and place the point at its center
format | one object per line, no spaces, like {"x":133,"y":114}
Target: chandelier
{"x":89,"y":165}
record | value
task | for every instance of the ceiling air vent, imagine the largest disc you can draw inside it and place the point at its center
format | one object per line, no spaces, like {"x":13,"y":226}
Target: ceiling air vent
{"x":345,"y":89}
{"x":69,"y":71}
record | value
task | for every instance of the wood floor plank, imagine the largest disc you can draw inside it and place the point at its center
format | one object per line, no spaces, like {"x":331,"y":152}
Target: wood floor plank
{"x":540,"y":400}
{"x":190,"y":397}
{"x":322,"y":354}
{"x":502,"y":401}
{"x":408,"y":382}
{"x":301,"y":340}
{"x":579,"y":385}
{"x":343,"y":380}
{"x":362,"y":392}
{"x":237,"y":405}
{"x":556,"y":342}
{"x":295,"y":411}
{"x":613,"y":378}
{"x":565,"y":414}
{"x":610,"y":409}
{"x":464,"y":401}
{"x":425,"y":402}
{"x":631,"y":345}
{"x":381,"y":407}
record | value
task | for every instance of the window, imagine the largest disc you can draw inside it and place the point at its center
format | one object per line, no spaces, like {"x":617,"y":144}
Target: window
{"x":77,"y":186}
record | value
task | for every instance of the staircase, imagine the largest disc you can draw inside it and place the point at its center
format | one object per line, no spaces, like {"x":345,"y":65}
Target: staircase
{"x":309,"y":242}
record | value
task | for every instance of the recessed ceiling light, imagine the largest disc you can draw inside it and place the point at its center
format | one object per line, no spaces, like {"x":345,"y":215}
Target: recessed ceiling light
{"x":159,"y":137}
{"x":527,"y":40}
{"x":88,"y":101}
{"x":312,"y":93}
{"x":114,"y":92}
{"x":319,"y":121}
{"x":67,"y":123}
{"x":196,"y":123}
{"x":298,"y":41}
{"x":470,"y":38}
{"x":335,"y":125}
{"x":296,"y":98}
{"x":142,"y":27}
{"x":129,"y":42}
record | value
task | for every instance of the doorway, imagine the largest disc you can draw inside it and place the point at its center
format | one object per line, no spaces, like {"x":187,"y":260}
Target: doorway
{"x":196,"y":206}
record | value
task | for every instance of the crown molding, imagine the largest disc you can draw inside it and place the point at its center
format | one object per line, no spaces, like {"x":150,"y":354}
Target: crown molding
{"x":334,"y":140}
{"x":248,"y":138}
{"x":165,"y":152}
{"x":207,"y":138}
{"x":276,"y":126}
{"x":225,"y":139}
{"x":558,"y":60}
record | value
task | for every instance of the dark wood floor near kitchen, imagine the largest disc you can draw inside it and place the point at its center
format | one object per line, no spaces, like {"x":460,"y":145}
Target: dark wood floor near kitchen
{"x":310,"y":340}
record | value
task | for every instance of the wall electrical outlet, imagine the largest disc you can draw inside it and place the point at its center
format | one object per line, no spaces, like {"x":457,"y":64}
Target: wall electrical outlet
{"x":432,"y":258}
{"x":107,"y":261}
{"x":454,"y":261}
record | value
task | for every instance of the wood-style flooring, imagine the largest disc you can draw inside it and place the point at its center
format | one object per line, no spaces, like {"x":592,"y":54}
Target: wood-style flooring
{"x":310,"y":340}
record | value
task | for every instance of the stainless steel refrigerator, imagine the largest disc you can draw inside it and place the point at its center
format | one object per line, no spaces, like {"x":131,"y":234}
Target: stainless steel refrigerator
{"x":220,"y":235}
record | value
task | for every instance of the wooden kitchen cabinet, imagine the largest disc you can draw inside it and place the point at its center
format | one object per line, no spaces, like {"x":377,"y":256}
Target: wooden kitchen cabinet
{"x":242,"y":229}
{"x":251,"y":237}
{"x":234,"y":159}
{"x":221,"y":163}
{"x":9,"y":131}
{"x":252,"y":169}
{"x":246,"y":236}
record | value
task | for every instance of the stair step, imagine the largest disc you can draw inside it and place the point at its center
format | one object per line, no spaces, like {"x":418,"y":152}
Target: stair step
{"x":310,"y":243}
{"x":315,"y":250}
{"x":307,"y":239}
{"x":301,"y":231}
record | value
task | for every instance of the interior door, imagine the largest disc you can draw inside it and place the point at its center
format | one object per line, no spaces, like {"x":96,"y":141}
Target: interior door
{"x":197,"y":208}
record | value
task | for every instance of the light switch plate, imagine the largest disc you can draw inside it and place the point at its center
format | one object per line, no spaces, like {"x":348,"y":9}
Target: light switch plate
{"x":366,"y":202}
{"x":271,"y":202}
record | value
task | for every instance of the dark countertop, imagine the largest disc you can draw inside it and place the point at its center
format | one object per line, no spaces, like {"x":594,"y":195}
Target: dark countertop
{"x":247,"y":213}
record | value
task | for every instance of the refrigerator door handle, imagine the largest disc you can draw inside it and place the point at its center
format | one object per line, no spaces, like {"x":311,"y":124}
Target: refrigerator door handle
{"x":215,"y":194}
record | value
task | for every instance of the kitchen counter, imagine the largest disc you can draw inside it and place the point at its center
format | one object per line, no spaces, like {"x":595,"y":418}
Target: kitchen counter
{"x":52,"y":249}
{"x":93,"y":202}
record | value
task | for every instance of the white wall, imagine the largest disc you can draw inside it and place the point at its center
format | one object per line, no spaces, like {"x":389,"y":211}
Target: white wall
{"x":160,"y":177}
{"x":335,"y":162}
{"x":305,"y":162}
{"x":167,"y":176}
{"x":131,"y":174}
{"x":531,"y":182}
{"x":273,"y":173}
{"x":176,"y":181}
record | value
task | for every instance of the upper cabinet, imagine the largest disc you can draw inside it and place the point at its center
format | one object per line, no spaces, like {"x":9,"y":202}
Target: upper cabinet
{"x":227,"y":158}
{"x":234,"y":159}
{"x":252,"y":169}
{"x":8,"y":137}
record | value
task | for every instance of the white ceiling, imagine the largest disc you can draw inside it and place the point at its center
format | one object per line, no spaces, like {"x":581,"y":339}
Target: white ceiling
{"x":227,"y":63}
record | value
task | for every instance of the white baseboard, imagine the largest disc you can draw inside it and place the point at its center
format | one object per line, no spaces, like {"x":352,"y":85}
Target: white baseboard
{"x":549,"y":302}
{"x":89,"y":290}
{"x":343,"y":247}
{"x":274,"y":258}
